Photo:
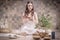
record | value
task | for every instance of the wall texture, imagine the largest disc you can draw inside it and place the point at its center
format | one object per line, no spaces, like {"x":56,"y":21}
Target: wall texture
{"x":11,"y":10}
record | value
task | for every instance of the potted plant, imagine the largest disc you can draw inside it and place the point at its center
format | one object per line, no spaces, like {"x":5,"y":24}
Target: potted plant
{"x":44,"y":21}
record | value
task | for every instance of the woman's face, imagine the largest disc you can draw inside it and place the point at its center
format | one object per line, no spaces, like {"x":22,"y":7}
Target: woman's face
{"x":30,"y":6}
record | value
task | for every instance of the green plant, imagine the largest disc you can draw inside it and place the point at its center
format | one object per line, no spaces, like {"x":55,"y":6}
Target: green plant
{"x":45,"y":21}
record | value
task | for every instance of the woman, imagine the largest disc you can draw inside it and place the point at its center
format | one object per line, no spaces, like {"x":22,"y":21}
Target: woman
{"x":29,"y":19}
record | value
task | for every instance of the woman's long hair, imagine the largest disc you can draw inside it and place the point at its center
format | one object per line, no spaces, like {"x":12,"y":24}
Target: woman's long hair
{"x":27,"y":10}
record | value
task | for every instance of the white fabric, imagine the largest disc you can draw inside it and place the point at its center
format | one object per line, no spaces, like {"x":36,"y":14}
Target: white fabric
{"x":28,"y":27}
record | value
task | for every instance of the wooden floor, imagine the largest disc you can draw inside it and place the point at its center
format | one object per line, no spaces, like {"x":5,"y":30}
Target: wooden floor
{"x":23,"y":38}
{"x":57,"y":37}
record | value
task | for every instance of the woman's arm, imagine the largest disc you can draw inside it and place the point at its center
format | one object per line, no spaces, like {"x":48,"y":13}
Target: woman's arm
{"x":23,"y":19}
{"x":35,"y":18}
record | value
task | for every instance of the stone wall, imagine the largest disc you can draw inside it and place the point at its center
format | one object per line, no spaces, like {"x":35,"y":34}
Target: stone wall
{"x":11,"y":10}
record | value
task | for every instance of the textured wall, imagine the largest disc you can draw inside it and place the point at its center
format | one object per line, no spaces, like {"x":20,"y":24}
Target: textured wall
{"x":11,"y":10}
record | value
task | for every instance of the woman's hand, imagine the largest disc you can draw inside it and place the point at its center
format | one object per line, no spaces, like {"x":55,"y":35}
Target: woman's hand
{"x":31,"y":19}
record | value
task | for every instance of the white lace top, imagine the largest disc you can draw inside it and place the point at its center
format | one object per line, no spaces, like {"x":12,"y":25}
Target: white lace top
{"x":29,"y":25}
